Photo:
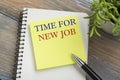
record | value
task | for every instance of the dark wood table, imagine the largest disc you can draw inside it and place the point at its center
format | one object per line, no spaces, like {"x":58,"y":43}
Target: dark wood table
{"x":104,"y":52}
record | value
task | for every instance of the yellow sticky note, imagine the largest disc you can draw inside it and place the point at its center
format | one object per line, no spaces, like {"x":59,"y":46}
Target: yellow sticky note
{"x":54,"y":40}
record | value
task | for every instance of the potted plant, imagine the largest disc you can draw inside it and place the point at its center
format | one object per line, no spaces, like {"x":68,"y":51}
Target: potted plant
{"x":105,"y":11}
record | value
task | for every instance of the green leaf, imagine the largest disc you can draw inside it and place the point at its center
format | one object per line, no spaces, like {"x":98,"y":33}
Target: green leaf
{"x":103,"y":18}
{"x":91,"y":32}
{"x":97,"y":33}
{"x":90,"y":16}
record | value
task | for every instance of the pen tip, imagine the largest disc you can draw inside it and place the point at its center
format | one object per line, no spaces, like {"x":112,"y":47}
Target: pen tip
{"x":73,"y":55}
{"x":77,"y":59}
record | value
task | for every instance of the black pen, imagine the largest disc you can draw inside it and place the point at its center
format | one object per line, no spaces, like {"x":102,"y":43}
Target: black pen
{"x":86,"y":68}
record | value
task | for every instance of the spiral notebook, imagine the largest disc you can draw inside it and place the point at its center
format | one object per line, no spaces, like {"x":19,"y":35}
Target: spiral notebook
{"x":26,"y":60}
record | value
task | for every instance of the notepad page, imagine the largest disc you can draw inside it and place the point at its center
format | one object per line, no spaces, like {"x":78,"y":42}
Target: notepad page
{"x":69,"y":72}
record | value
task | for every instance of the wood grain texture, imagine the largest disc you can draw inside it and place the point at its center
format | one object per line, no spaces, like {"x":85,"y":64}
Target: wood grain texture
{"x":8,"y":37}
{"x":13,"y":7}
{"x":104,"y":52}
{"x":104,"y":56}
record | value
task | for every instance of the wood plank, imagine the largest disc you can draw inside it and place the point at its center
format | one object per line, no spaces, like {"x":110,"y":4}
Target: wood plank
{"x":13,"y":7}
{"x":104,"y":57}
{"x":8,"y":37}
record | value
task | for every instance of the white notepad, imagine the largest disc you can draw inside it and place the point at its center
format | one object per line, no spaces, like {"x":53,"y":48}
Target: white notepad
{"x":28,"y":71}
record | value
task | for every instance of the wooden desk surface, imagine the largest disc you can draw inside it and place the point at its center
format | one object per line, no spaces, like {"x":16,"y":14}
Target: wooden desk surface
{"x":104,"y":52}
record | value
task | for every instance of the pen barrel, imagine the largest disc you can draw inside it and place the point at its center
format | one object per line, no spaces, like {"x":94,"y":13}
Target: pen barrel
{"x":90,"y":72}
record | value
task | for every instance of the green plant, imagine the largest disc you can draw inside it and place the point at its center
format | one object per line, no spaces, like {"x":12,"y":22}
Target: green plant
{"x":105,"y":11}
